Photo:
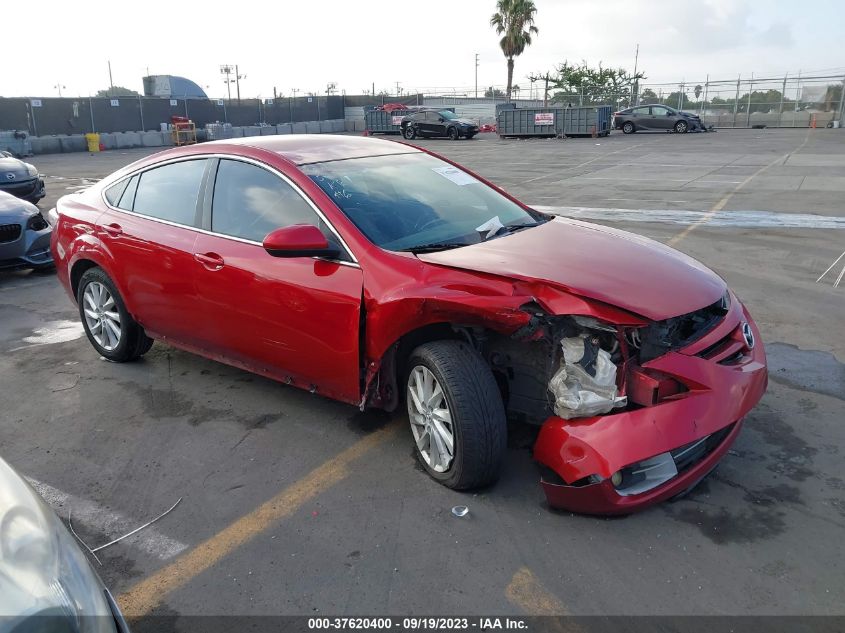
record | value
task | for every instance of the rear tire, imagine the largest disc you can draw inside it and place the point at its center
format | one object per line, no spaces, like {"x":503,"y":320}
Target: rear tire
{"x":462,"y":389}
{"x":110,"y":328}
{"x":452,"y":133}
{"x":628,"y":128}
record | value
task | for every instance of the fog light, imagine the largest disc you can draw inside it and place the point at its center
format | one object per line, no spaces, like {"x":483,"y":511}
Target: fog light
{"x":616,"y":478}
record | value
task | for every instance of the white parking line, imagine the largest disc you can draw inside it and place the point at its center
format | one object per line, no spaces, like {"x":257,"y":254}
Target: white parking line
{"x":109,"y":523}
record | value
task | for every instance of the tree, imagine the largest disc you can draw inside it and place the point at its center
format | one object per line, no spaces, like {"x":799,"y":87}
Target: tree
{"x":514,"y":21}
{"x":117,"y":91}
{"x":648,"y":96}
{"x":493,"y":92}
{"x":585,"y":85}
{"x":698,"y":90}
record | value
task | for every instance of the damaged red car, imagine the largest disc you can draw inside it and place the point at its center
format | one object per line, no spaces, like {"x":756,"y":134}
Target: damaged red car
{"x":384,"y":276}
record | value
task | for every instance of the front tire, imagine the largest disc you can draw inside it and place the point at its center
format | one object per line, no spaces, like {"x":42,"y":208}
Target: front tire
{"x":681,"y":127}
{"x":409,"y":133}
{"x":456,"y":414}
{"x":110,"y":328}
{"x":628,"y":128}
{"x":452,"y":133}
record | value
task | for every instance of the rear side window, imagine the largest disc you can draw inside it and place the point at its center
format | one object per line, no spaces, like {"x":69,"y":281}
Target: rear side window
{"x":249,"y":202}
{"x":114,"y":192}
{"x":170,"y":192}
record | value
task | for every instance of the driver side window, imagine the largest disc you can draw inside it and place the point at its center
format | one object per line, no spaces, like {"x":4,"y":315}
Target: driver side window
{"x":249,"y":202}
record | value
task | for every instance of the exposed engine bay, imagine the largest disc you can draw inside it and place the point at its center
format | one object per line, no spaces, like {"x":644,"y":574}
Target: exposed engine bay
{"x":577,"y":366}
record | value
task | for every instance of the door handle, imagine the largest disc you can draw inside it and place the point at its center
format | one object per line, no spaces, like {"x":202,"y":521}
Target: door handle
{"x":113,"y":229}
{"x":212,"y":261}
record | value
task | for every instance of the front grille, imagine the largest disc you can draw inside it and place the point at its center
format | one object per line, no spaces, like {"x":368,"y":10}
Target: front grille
{"x":9,"y":232}
{"x":678,"y":332}
{"x":19,"y":188}
{"x":727,"y":350}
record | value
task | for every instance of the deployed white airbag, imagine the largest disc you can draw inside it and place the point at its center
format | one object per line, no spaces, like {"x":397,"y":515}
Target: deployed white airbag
{"x":578,"y":393}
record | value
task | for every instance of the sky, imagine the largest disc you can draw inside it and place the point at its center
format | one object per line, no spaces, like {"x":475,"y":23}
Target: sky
{"x":355,"y":44}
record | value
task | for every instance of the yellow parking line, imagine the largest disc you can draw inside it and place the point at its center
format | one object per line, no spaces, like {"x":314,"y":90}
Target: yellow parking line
{"x":526,"y":592}
{"x":725,"y":199}
{"x":144,"y":596}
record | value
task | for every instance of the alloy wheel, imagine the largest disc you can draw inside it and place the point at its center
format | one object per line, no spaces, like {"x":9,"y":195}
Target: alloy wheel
{"x":431,"y":419}
{"x":101,"y":315}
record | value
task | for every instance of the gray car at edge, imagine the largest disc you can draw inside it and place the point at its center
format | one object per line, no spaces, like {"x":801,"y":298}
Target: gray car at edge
{"x":24,"y":235}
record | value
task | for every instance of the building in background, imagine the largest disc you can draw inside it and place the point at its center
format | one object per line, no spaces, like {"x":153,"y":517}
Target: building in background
{"x":167,"y":86}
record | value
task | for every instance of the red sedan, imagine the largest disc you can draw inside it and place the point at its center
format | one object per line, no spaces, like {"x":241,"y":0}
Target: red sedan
{"x":373,"y":272}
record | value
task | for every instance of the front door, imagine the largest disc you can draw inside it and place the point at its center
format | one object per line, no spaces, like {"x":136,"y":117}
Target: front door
{"x":296,"y":319}
{"x":662,"y":117}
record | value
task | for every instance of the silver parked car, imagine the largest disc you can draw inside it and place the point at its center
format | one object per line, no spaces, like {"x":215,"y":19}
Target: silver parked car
{"x":46,"y":581}
{"x":20,"y":179}
{"x":24,"y":235}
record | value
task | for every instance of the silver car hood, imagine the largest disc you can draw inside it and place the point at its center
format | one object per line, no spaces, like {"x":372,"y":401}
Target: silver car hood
{"x":15,"y":210}
{"x":14,"y":167}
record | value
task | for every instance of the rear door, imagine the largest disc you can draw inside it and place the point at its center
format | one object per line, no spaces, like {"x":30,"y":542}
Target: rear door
{"x":150,"y":230}
{"x":641,"y":117}
{"x":295,"y":319}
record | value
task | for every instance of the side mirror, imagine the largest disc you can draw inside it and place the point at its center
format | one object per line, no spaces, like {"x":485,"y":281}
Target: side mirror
{"x":298,"y":240}
{"x":441,"y":119}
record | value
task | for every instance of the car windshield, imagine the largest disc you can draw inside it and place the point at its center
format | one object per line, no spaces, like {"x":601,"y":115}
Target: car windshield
{"x":416,"y":202}
{"x":447,"y":114}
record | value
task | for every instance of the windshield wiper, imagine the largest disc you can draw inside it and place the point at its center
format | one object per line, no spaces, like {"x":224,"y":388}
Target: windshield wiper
{"x":433,"y":247}
{"x":513,"y":228}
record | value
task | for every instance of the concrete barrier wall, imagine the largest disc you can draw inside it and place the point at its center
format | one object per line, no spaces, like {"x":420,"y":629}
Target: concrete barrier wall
{"x":128,"y":140}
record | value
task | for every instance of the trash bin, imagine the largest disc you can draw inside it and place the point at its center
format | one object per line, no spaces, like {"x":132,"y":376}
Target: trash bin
{"x":93,"y":141}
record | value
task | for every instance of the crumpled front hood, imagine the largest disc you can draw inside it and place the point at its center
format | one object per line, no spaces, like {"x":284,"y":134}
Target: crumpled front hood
{"x":465,"y":121}
{"x":616,"y":267}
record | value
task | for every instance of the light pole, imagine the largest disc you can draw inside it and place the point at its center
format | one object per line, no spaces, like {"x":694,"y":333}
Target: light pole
{"x":59,"y":87}
{"x":476,"y":75}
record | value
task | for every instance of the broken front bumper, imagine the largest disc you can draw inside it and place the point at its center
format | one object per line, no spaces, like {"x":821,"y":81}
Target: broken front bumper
{"x":725,"y":380}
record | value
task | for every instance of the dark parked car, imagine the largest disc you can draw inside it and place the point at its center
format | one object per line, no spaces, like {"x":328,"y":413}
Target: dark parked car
{"x":20,"y":179}
{"x":432,"y":123}
{"x":371,"y":271}
{"x":46,"y":581}
{"x":24,"y":235}
{"x":657,"y":118}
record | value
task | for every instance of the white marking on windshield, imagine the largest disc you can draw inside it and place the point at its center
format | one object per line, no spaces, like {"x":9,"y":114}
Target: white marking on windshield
{"x":454,"y":174}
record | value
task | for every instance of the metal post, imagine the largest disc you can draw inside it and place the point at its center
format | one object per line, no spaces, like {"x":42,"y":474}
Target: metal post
{"x":318,"y":108}
{"x":34,"y":124}
{"x":91,"y":111}
{"x":290,"y":108}
{"x":238,"y":83}
{"x":842,"y":104}
{"x":797,"y":99}
{"x":748,"y":107}
{"x":141,"y":112}
{"x":782,"y":96}
{"x":704,"y":100}
{"x":681,"y":97}
{"x":736,"y":99}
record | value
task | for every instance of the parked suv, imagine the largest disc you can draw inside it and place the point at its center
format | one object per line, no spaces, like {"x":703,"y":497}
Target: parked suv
{"x":656,"y":117}
{"x":432,"y":123}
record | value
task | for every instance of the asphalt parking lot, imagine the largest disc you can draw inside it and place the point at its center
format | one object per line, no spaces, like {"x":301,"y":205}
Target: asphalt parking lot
{"x":293,"y":504}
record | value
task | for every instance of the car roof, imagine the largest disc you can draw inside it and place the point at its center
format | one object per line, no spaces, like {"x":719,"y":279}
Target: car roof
{"x":303,"y":149}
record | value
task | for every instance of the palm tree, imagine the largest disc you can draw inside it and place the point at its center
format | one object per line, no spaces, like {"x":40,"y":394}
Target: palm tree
{"x":514,"y":21}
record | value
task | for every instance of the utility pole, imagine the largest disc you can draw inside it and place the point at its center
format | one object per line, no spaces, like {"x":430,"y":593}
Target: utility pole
{"x":476,"y":75}
{"x":842,"y":104}
{"x":111,"y":83}
{"x":226,"y":69}
{"x":398,"y":89}
{"x":782,"y":95}
{"x":238,"y":83}
{"x":59,"y":87}
{"x":636,"y":97}
{"x":748,"y":107}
